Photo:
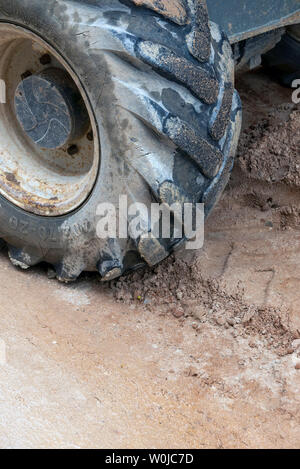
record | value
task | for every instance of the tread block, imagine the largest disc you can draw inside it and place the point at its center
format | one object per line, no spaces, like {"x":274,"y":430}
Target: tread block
{"x":24,"y":257}
{"x":199,"y":40}
{"x":170,"y":193}
{"x":217,"y":186}
{"x":194,"y":77}
{"x":109,"y":271}
{"x":70,"y":267}
{"x":151,"y":249}
{"x":208,"y":157}
{"x":219,"y":126}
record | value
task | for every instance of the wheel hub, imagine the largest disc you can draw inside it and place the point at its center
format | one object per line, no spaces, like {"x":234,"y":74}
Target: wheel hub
{"x":49,"y":109}
{"x":49,"y":140}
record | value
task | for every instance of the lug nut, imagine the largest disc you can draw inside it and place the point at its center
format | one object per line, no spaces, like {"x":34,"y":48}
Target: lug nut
{"x":72,"y":150}
{"x":45,"y":59}
{"x":90,"y":136}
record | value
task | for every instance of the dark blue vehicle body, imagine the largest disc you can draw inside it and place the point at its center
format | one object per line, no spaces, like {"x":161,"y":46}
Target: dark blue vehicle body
{"x":242,"y":19}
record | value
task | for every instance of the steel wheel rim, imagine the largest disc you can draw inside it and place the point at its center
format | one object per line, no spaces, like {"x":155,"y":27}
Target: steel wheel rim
{"x":47,"y":182}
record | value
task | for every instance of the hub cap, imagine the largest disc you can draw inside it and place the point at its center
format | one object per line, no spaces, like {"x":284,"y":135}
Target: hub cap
{"x":50,"y":109}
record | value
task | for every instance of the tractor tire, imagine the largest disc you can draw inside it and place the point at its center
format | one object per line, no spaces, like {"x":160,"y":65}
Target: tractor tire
{"x":283,"y":62}
{"x":158,"y":77}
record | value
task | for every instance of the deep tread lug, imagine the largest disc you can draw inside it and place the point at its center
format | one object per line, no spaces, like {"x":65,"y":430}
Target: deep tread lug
{"x":109,"y":269}
{"x":208,"y":157}
{"x":151,"y":249}
{"x":199,"y":39}
{"x":170,"y":193}
{"x":24,"y":257}
{"x":69,"y":269}
{"x":218,"y":184}
{"x":219,"y":126}
{"x":198,"y":80}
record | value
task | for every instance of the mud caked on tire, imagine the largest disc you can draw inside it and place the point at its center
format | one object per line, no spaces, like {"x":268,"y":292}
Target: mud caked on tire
{"x":158,"y":79}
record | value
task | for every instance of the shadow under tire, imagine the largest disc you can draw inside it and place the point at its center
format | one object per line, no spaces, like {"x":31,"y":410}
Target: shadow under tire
{"x":283,"y":62}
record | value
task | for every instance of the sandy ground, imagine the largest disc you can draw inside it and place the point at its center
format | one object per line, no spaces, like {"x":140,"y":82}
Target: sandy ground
{"x":197,"y":355}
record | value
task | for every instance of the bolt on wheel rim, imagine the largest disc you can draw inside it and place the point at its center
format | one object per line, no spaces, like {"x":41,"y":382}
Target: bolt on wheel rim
{"x":49,"y":150}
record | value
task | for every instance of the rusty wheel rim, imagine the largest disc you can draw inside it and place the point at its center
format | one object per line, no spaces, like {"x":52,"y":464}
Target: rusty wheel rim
{"x":42,"y":180}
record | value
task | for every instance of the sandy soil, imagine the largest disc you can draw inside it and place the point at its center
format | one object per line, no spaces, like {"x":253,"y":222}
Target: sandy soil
{"x":195,"y":355}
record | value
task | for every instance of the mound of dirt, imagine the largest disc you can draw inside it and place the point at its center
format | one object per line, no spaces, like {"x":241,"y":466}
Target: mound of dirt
{"x":179,"y":288}
{"x":270,"y":150}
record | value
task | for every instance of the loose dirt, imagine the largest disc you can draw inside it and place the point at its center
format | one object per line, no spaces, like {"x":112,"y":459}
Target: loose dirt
{"x":203,"y":351}
{"x":259,"y":205}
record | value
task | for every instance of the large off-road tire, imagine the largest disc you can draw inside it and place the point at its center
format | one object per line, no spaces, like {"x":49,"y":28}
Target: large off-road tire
{"x":283,"y":62}
{"x":159,"y":79}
